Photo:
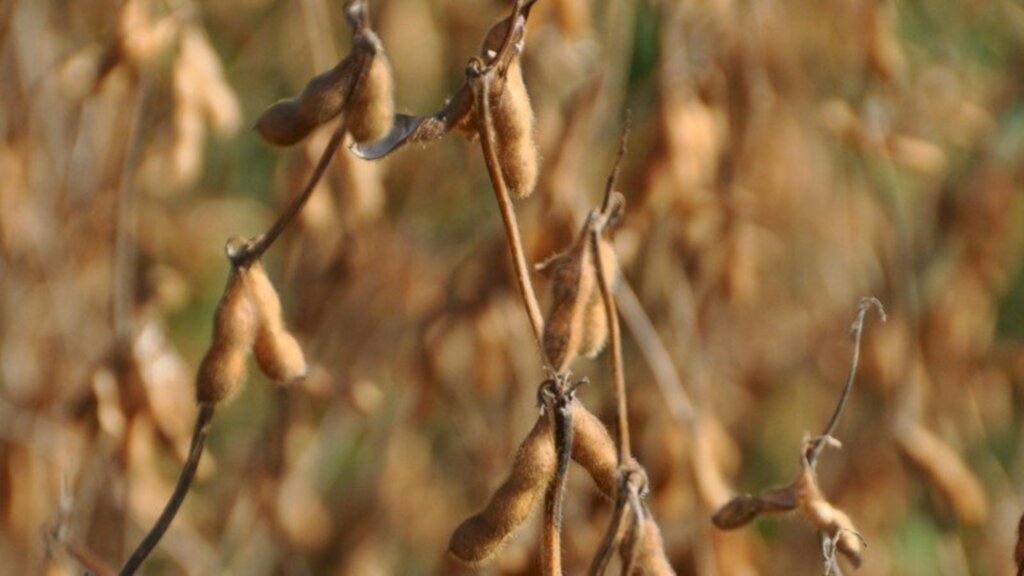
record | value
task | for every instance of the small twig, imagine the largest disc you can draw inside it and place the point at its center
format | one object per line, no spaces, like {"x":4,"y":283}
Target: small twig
{"x":614,"y":534}
{"x":614,"y":175}
{"x":818,"y":444}
{"x":480,"y":80}
{"x":188,"y":472}
{"x":89,"y":560}
{"x":635,"y":536}
{"x":615,"y":355}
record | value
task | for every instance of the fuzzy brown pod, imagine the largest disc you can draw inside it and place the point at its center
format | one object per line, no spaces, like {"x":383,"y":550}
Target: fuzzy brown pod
{"x":482,"y":536}
{"x":946,"y":471}
{"x":577,"y":323}
{"x":743,"y":509}
{"x":277,"y":352}
{"x":831,"y":521}
{"x":290,"y":120}
{"x":652,"y":559}
{"x":223,"y":369}
{"x":594,"y":450}
{"x":370,"y":109}
{"x":513,"y":116}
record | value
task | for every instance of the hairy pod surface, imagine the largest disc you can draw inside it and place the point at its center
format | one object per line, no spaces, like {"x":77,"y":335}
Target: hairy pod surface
{"x":277,"y":352}
{"x":652,"y":560}
{"x":292,"y":119}
{"x":373,"y":106}
{"x":594,"y":450}
{"x":573,"y":286}
{"x":482,"y":536}
{"x":223,"y":369}
{"x":515,"y":134}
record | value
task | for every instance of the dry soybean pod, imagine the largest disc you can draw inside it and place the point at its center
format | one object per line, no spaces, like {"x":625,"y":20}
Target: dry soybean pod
{"x":515,"y":134}
{"x":223,"y":369}
{"x":221,"y":374}
{"x":481,"y":536}
{"x":290,"y":120}
{"x":573,"y":288}
{"x":372,"y":109}
{"x":652,"y":559}
{"x":277,"y":352}
{"x":594,"y":450}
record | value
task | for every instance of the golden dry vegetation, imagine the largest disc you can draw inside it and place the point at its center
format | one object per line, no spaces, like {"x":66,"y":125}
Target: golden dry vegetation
{"x":785,"y":159}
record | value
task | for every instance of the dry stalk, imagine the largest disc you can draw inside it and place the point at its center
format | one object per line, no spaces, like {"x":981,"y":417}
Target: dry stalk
{"x":835,"y":526}
{"x":244,"y":255}
{"x":480,"y":81}
{"x":188,"y":472}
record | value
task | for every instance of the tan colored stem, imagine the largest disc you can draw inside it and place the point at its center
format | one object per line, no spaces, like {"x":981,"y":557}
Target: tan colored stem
{"x":481,"y":86}
{"x":615,"y":355}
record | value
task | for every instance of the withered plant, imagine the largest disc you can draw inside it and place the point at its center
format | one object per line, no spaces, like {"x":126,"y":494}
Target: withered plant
{"x":837,"y":530}
{"x":249,"y":316}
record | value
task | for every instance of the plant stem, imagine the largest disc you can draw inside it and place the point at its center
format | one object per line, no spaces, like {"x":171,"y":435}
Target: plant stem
{"x":177,"y":497}
{"x":615,"y":355}
{"x":481,"y":87}
{"x":818,"y":444}
{"x":262,"y":242}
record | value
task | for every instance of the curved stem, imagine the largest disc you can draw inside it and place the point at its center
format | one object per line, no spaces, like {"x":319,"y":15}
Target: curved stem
{"x":818,"y":444}
{"x":177,"y":497}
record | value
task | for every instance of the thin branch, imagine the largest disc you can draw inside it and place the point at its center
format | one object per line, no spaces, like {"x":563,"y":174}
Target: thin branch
{"x":654,"y":351}
{"x":614,"y":175}
{"x":615,"y":343}
{"x":635,"y":536}
{"x":613,"y":536}
{"x":818,"y":444}
{"x":481,"y":81}
{"x":188,"y":472}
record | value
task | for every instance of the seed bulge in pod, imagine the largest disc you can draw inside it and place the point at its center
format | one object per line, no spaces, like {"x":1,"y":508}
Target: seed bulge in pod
{"x":277,"y":352}
{"x":514,"y":134}
{"x":223,"y":369}
{"x":482,"y":536}
{"x":372,"y":110}
{"x":292,"y":119}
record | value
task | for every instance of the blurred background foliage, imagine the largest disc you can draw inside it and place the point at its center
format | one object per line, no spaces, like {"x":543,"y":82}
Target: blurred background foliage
{"x":786,"y":158}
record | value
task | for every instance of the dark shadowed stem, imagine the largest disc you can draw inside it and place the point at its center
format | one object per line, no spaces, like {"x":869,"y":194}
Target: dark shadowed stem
{"x":634,"y":538}
{"x":481,"y":87}
{"x":177,"y":497}
{"x":265,"y":240}
{"x":615,"y":354}
{"x":613,"y":536}
{"x":818,"y":444}
{"x":561,"y":412}
{"x":551,"y":562}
